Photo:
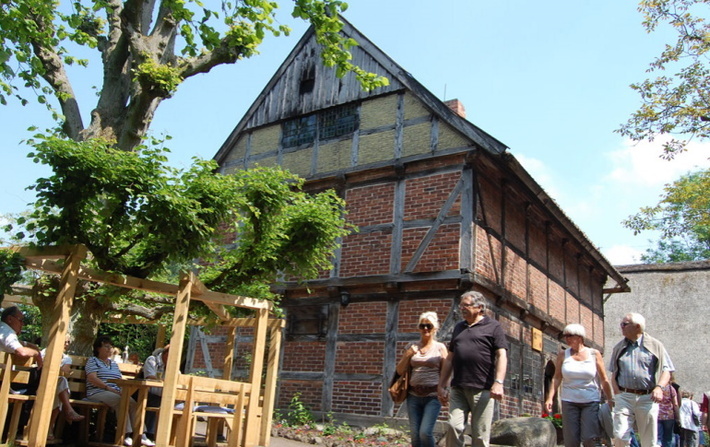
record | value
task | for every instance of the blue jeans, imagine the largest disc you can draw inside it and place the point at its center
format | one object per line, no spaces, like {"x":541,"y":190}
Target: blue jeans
{"x":665,"y":432}
{"x":423,"y":412}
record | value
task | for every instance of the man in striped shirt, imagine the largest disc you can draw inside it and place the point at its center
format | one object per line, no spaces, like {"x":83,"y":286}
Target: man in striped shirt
{"x":640,"y":368}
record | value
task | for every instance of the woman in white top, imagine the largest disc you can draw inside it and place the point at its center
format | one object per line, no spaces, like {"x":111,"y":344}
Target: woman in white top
{"x":579,"y":370}
{"x":425,"y":359}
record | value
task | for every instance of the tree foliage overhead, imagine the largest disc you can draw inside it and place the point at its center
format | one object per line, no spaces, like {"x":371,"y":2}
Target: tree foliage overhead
{"x":138,"y":216}
{"x":147,"y":48}
{"x":683,"y":218}
{"x":677,"y":102}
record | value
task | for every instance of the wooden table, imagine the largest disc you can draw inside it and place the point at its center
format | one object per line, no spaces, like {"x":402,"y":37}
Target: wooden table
{"x":128,"y":387}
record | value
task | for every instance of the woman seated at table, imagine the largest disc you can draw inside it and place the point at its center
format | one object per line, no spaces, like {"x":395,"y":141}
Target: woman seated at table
{"x":99,"y":370}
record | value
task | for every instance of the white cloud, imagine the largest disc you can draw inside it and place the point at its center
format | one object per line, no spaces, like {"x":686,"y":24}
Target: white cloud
{"x":622,"y":255}
{"x":639,"y":164}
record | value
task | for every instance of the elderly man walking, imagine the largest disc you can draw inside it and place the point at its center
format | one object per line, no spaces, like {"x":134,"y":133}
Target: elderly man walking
{"x":477,"y":356}
{"x":640,"y":367}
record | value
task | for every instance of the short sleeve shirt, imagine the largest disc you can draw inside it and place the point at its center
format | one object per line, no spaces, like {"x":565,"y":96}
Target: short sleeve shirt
{"x":474,"y":350}
{"x":104,"y":372}
{"x":8,"y":339}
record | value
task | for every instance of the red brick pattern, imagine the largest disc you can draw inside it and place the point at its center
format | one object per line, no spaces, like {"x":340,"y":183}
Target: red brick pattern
{"x":488,"y":254}
{"x":442,"y":253}
{"x":490,"y":205}
{"x":363,"y":318}
{"x":359,"y":357}
{"x":425,"y":196}
{"x":515,"y":274}
{"x":538,"y":289}
{"x":572,"y":309}
{"x":366,"y":254}
{"x":557,"y":301}
{"x":311,"y":393}
{"x":304,"y":356}
{"x":357,"y":397}
{"x":370,"y":205}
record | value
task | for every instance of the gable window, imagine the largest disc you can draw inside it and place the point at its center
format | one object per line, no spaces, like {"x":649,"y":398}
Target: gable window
{"x":338,"y":121}
{"x":332,"y":123}
{"x":301,"y":130}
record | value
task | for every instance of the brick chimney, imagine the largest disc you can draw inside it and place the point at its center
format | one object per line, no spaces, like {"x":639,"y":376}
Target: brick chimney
{"x":457,"y":107}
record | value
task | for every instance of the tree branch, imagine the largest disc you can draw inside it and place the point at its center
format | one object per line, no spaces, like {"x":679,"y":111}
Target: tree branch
{"x":55,"y":75}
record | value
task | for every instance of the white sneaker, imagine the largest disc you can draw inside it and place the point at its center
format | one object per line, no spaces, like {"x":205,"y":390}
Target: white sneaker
{"x":128,"y":441}
{"x":146,"y":441}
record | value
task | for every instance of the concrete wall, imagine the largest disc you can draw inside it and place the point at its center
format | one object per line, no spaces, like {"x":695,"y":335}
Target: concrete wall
{"x":673,"y":299}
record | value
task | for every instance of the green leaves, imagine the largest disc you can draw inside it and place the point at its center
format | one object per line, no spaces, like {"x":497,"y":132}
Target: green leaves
{"x":675,"y":104}
{"x":11,"y":267}
{"x":139,"y":217}
{"x":683,"y":218}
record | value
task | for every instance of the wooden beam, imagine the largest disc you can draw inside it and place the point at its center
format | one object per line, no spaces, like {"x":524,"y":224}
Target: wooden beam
{"x":253,"y":425}
{"x":182,"y":304}
{"x":46,"y":393}
{"x":147,"y":285}
{"x":272,"y":372}
{"x":50,"y":252}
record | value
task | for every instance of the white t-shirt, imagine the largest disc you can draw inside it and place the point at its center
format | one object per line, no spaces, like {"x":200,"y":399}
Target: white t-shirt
{"x":8,"y":339}
{"x":66,"y":360}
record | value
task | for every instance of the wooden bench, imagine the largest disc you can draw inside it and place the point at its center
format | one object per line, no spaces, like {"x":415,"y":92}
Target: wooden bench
{"x":215,"y":400}
{"x":15,"y":370}
{"x":77,"y":387}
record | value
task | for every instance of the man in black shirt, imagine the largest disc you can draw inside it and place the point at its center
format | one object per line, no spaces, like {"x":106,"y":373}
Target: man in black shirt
{"x":478,"y":359}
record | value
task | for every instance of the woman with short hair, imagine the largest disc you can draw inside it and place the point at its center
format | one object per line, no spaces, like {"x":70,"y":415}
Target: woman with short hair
{"x":579,"y":369}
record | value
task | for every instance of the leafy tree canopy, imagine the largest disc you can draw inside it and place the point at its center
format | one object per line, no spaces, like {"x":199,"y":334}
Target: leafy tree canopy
{"x":677,"y":102}
{"x":683,"y":218}
{"x":147,"y":49}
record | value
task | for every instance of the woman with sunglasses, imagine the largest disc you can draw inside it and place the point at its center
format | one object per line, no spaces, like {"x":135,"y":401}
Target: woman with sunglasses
{"x":424,"y":358}
{"x":579,"y":370}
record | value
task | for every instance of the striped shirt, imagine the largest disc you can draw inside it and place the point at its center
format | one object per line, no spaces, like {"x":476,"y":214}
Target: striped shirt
{"x":104,"y":372}
{"x":637,"y":366}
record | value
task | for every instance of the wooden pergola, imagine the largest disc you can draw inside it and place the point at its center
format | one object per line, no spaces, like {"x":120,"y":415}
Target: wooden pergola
{"x":259,"y":409}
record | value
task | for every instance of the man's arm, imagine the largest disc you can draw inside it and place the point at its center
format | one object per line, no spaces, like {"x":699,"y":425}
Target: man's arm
{"x":27,"y":352}
{"x":501,"y":365}
{"x":657,"y":393}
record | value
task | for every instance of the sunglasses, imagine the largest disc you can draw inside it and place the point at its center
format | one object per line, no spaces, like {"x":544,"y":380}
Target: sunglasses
{"x":625,"y":323}
{"x":426,"y":326}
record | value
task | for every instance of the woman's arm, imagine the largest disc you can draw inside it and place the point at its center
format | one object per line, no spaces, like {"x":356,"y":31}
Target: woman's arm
{"x":604,"y":379}
{"x":403,"y":364}
{"x":93,"y":378}
{"x":556,"y":381}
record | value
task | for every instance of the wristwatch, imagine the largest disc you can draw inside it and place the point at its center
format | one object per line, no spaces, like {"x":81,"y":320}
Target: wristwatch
{"x":499,"y":381}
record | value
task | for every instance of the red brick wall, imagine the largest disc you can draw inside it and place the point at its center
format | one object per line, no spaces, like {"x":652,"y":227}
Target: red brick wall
{"x":370,"y":205}
{"x":366,"y":254}
{"x":425,"y":196}
{"x":363,"y":318}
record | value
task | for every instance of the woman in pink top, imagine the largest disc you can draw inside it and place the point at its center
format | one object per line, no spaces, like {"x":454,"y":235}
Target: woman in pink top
{"x":425,"y":359}
{"x":667,"y":411}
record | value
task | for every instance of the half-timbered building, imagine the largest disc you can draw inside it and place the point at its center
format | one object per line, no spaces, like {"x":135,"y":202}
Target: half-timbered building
{"x":442,"y":208}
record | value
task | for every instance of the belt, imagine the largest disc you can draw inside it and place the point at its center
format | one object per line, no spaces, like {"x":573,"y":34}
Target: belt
{"x":629,"y":390}
{"x":420,"y":390}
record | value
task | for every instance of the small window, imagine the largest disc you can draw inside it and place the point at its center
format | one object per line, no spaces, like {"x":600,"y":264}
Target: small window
{"x":299,"y":131}
{"x":307,"y":320}
{"x":338,"y":121}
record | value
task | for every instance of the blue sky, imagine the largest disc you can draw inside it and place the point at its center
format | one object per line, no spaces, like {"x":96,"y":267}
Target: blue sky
{"x":549,"y":79}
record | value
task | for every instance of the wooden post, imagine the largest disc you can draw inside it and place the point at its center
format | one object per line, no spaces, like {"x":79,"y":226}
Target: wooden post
{"x":46,"y":393}
{"x":228,"y":362}
{"x":253,"y":425}
{"x":272,"y":372}
{"x":160,"y":337}
{"x":182,"y":303}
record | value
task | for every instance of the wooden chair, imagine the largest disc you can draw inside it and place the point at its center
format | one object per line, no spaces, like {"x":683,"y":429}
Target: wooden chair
{"x":204,"y":398}
{"x":14,"y":370}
